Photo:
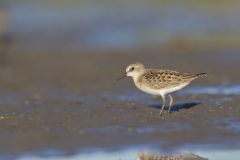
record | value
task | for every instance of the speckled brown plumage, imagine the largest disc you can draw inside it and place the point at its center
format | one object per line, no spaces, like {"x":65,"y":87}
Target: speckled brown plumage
{"x":160,"y":78}
{"x":180,"y":156}
{"x":159,"y":82}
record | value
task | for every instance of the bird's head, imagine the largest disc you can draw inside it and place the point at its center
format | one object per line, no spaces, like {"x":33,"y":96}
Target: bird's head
{"x":134,"y":70}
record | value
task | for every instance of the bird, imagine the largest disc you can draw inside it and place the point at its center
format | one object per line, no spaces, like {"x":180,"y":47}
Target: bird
{"x":157,"y":156}
{"x":159,"y":82}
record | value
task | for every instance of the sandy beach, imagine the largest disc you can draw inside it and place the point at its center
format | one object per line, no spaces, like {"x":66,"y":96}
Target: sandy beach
{"x":72,"y":101}
{"x":58,"y":88}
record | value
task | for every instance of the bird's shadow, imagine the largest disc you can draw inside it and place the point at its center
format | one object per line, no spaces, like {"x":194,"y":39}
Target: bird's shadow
{"x":176,"y":107}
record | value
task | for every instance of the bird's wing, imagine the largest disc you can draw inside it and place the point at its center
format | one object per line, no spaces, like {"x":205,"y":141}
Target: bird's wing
{"x":158,"y":79}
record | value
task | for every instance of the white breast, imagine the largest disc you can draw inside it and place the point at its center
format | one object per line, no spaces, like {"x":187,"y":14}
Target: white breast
{"x":159,"y":92}
{"x":172,"y":89}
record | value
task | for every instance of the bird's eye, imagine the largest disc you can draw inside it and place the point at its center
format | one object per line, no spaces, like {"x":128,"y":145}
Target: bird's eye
{"x":132,"y":69}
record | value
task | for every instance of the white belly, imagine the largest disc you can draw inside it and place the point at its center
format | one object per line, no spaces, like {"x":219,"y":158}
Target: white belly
{"x":161,"y":92}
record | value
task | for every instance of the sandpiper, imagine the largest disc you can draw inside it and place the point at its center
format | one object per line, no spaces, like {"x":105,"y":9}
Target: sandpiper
{"x":159,"y":82}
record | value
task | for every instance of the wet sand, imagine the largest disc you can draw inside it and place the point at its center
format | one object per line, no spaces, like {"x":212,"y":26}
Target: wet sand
{"x":69,"y":100}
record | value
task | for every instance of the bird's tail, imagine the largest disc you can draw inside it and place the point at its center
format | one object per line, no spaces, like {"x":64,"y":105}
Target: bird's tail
{"x":201,"y":75}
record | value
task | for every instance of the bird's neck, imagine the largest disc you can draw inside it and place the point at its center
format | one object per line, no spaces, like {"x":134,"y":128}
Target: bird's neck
{"x":136,"y":77}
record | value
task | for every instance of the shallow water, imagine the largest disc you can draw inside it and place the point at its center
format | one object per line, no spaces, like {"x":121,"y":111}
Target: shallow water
{"x":223,"y":94}
{"x":55,"y":108}
{"x":99,"y":26}
{"x":213,"y":90}
{"x":131,"y":154}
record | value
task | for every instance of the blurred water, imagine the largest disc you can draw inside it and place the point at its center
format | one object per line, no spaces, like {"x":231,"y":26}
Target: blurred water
{"x":106,"y":26}
{"x":131,"y":154}
{"x":217,"y":90}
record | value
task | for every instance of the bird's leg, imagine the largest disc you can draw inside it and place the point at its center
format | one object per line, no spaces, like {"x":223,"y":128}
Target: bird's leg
{"x":170,"y":103}
{"x":163,"y":105}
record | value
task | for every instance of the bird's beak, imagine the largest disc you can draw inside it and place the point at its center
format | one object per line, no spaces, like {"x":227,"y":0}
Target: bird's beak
{"x":123,"y":76}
